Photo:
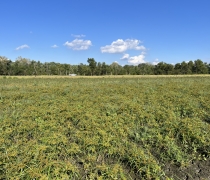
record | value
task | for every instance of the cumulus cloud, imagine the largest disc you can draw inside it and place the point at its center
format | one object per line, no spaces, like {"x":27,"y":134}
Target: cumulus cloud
{"x":22,"y":47}
{"x":78,"y":44}
{"x":78,"y":35}
{"x":135,"y":60}
{"x":54,"y":46}
{"x":120,"y":46}
{"x":155,"y":62}
{"x":125,"y":56}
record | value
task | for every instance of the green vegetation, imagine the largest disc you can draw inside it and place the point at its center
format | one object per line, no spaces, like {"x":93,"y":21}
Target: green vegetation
{"x":27,"y":67}
{"x":107,"y":128}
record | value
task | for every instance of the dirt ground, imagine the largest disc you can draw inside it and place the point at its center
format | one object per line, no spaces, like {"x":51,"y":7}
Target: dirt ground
{"x":198,"y":170}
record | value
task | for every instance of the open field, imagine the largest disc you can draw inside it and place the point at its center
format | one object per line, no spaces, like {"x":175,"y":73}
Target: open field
{"x":129,"y":127}
{"x":109,"y":76}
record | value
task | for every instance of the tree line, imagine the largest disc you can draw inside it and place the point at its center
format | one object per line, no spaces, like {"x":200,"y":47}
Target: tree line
{"x":24,"y":66}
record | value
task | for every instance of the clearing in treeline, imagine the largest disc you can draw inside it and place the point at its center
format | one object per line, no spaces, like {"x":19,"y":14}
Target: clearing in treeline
{"x":105,"y":128}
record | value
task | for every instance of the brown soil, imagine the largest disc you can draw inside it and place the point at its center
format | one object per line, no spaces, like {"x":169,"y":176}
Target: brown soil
{"x":198,"y":170}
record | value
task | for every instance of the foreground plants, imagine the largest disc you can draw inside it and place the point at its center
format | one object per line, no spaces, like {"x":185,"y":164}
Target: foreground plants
{"x":108,"y":128}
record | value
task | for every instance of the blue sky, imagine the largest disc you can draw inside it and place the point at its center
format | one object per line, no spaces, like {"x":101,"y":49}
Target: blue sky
{"x":126,"y":31}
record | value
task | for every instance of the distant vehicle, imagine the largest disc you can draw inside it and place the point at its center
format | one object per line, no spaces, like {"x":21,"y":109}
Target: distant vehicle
{"x":72,"y":74}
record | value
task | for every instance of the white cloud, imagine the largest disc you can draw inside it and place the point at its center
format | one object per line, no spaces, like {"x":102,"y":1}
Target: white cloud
{"x":54,"y":46}
{"x":125,"y":56}
{"x":78,"y":44}
{"x":120,"y":46}
{"x":135,"y":60}
{"x":155,"y":62}
{"x":22,"y":47}
{"x":78,"y":35}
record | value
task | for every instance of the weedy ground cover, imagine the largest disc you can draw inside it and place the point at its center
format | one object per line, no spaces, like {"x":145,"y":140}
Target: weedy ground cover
{"x":102,"y":128}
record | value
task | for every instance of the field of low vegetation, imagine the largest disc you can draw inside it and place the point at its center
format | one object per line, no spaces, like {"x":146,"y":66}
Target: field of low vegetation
{"x":105,"y":128}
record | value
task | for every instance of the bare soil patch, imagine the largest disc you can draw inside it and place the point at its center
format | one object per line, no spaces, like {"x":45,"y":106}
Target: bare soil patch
{"x":198,"y":170}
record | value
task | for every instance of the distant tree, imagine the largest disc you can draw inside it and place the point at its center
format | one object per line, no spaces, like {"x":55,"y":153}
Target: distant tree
{"x":164,"y":68}
{"x":104,"y":69}
{"x":127,"y":69}
{"x":145,"y":68}
{"x":190,"y":66}
{"x":200,"y":67}
{"x":115,"y":68}
{"x":208,"y":66}
{"x":84,"y":69}
{"x":5,"y":66}
{"x":98,"y":70}
{"x":160,"y":68}
{"x":92,"y":65}
{"x":185,"y":68}
{"x":24,"y":66}
{"x":177,"y":68}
